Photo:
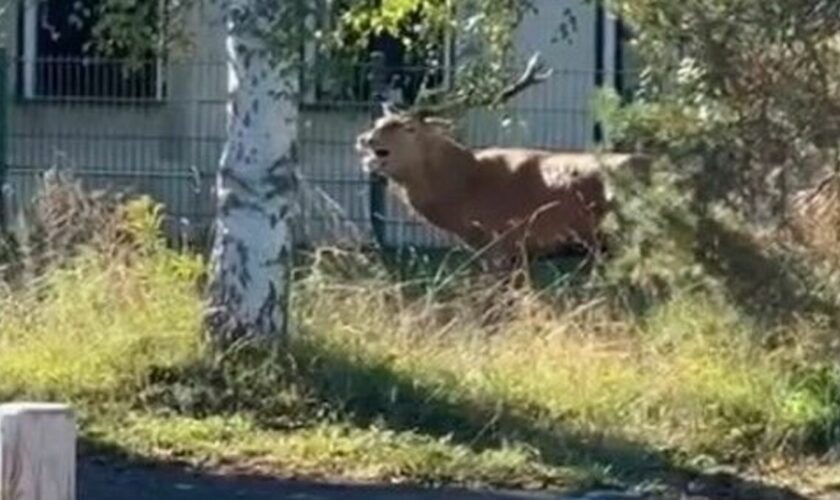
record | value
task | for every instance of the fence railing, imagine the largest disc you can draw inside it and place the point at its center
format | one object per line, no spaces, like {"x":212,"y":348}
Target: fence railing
{"x":159,"y":128}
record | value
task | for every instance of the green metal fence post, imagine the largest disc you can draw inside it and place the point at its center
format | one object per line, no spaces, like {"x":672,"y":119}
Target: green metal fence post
{"x":600,"y":29}
{"x":378,"y":184}
{"x":4,"y":104}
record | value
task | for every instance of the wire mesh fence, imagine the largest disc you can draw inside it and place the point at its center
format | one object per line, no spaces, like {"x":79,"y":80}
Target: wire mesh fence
{"x":159,"y":128}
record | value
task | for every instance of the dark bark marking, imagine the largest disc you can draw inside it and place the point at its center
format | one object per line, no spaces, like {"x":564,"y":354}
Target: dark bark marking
{"x":229,"y":175}
{"x":293,"y":152}
{"x":268,"y":309}
{"x":281,"y":178}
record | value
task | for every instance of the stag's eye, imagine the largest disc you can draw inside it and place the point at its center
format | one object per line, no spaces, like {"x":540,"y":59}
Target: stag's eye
{"x":381,"y":153}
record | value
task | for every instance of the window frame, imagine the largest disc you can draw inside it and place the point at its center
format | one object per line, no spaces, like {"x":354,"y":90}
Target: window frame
{"x":29,"y":57}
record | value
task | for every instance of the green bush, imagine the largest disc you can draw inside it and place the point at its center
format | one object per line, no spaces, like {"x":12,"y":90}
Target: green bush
{"x":746,"y":89}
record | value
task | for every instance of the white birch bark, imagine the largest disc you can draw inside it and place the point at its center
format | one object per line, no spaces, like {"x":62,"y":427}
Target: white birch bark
{"x":256,"y":183}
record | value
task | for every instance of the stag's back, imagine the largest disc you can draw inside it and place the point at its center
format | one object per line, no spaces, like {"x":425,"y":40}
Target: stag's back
{"x":541,"y":199}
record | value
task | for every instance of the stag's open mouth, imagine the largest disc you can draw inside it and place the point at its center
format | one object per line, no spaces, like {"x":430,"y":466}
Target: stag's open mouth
{"x":372,"y":160}
{"x":381,"y":153}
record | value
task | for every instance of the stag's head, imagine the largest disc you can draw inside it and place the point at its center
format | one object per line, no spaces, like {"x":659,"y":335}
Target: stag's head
{"x":398,"y":144}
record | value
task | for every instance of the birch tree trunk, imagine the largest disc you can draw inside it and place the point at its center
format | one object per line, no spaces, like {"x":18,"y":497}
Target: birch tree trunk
{"x":256,"y":183}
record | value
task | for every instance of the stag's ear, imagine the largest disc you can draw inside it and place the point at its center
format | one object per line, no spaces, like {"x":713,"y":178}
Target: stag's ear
{"x":388,"y":109}
{"x":441,"y":122}
{"x":441,"y":125}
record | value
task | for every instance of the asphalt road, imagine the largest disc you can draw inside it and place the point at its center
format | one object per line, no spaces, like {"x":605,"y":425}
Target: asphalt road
{"x":102,"y":481}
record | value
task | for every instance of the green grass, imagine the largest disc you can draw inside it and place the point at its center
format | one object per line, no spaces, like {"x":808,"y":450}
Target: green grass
{"x":329,"y":450}
{"x":448,"y":384}
{"x":94,"y":329}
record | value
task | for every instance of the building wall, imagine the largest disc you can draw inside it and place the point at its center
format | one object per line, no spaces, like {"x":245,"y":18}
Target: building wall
{"x":171,"y":149}
{"x":168,"y":149}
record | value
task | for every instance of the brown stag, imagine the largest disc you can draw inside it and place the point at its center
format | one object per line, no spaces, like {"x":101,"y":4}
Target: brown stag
{"x":506,"y":202}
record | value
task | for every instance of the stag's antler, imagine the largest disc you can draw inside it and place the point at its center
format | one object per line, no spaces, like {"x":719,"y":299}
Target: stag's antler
{"x":535,"y":73}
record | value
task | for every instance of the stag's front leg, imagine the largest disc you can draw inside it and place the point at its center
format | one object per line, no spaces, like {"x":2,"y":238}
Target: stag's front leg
{"x":508,"y":275}
{"x":509,"y":264}
{"x":500,"y":257}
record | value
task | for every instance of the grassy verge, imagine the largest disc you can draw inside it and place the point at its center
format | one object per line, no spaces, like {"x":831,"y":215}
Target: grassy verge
{"x":379,"y":383}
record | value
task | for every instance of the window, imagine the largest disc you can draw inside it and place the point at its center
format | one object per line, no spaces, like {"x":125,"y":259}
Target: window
{"x":626,"y":62}
{"x":58,"y":59}
{"x":345,"y":75}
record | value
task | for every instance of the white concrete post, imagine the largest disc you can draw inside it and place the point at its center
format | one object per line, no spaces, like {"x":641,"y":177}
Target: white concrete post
{"x":37,"y":452}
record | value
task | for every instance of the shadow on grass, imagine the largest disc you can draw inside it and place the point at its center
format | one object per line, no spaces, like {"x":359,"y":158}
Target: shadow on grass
{"x":365,"y":391}
{"x":770,"y":288}
{"x":108,"y":472}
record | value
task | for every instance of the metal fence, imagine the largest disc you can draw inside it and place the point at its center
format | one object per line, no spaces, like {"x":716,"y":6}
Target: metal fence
{"x":159,"y":129}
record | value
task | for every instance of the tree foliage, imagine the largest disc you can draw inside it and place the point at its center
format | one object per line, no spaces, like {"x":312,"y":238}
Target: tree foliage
{"x":482,"y":30}
{"x":739,"y":100}
{"x":750,"y":88}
